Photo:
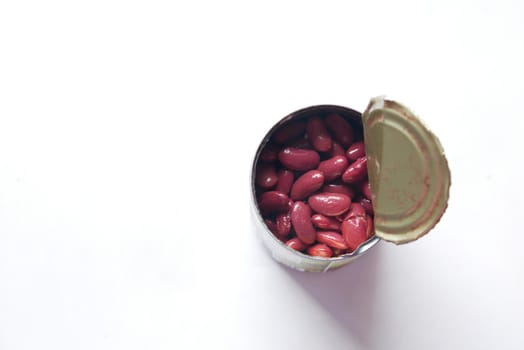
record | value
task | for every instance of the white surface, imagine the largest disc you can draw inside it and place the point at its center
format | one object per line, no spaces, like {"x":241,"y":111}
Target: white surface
{"x":126,"y":135}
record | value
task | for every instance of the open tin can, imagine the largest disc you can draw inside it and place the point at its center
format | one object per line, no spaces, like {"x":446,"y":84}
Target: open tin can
{"x":408,"y":175}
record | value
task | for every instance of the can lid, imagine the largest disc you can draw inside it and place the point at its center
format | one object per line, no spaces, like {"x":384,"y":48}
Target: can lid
{"x":408,"y":172}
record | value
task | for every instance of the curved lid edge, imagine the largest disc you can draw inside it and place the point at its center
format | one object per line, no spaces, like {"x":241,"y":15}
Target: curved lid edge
{"x":408,"y":172}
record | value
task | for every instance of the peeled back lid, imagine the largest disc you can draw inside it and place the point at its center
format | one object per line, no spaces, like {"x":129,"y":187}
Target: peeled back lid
{"x":408,"y":172}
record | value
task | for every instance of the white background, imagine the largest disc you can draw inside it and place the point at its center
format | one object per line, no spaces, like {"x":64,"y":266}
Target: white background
{"x":127,"y":131}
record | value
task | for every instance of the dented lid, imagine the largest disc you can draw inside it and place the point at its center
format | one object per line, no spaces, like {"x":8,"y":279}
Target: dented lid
{"x":408,"y":172}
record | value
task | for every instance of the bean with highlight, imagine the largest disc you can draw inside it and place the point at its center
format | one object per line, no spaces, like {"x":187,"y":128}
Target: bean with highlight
{"x":320,"y":250}
{"x":296,"y":244}
{"x":367,"y":205}
{"x":299,"y":159}
{"x":330,"y":204}
{"x":283,"y":223}
{"x":318,"y":134}
{"x":356,"y":209}
{"x":307,"y":184}
{"x":356,"y":171}
{"x":356,"y":150}
{"x":285,"y":181}
{"x":333,"y":167}
{"x":325,"y":222}
{"x":301,"y":222}
{"x":332,"y":239}
{"x":336,"y":150}
{"x":339,"y":188}
{"x":266,"y":176}
{"x":354,"y":231}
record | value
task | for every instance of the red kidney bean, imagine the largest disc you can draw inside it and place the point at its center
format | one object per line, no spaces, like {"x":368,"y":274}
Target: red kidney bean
{"x":354,"y":231}
{"x":301,"y":221}
{"x":332,"y":239}
{"x":318,"y":134}
{"x":370,"y":226}
{"x":301,"y":143}
{"x":356,"y":209}
{"x":325,"y":222}
{"x":298,"y":159}
{"x":339,"y":188}
{"x":266,"y":176}
{"x":333,"y":167}
{"x":341,"y":130}
{"x":283,"y":223}
{"x":367,"y":205}
{"x":288,"y":132}
{"x":356,"y":150}
{"x":285,"y":181}
{"x":336,"y":150}
{"x":296,"y":244}
{"x":356,"y":171}
{"x":269,"y":153}
{"x":273,"y":202}
{"x":307,"y":184}
{"x":338,"y":252}
{"x":329,"y":204}
{"x":365,"y":188}
{"x":321,"y":250}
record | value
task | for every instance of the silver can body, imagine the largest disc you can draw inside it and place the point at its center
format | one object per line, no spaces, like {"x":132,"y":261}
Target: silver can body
{"x":278,"y":250}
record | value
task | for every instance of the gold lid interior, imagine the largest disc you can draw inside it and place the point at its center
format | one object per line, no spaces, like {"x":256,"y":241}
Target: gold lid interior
{"x":408,"y":172}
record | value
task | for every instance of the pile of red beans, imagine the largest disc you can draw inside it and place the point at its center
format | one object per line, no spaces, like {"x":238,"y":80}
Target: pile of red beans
{"x":312,"y":186}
